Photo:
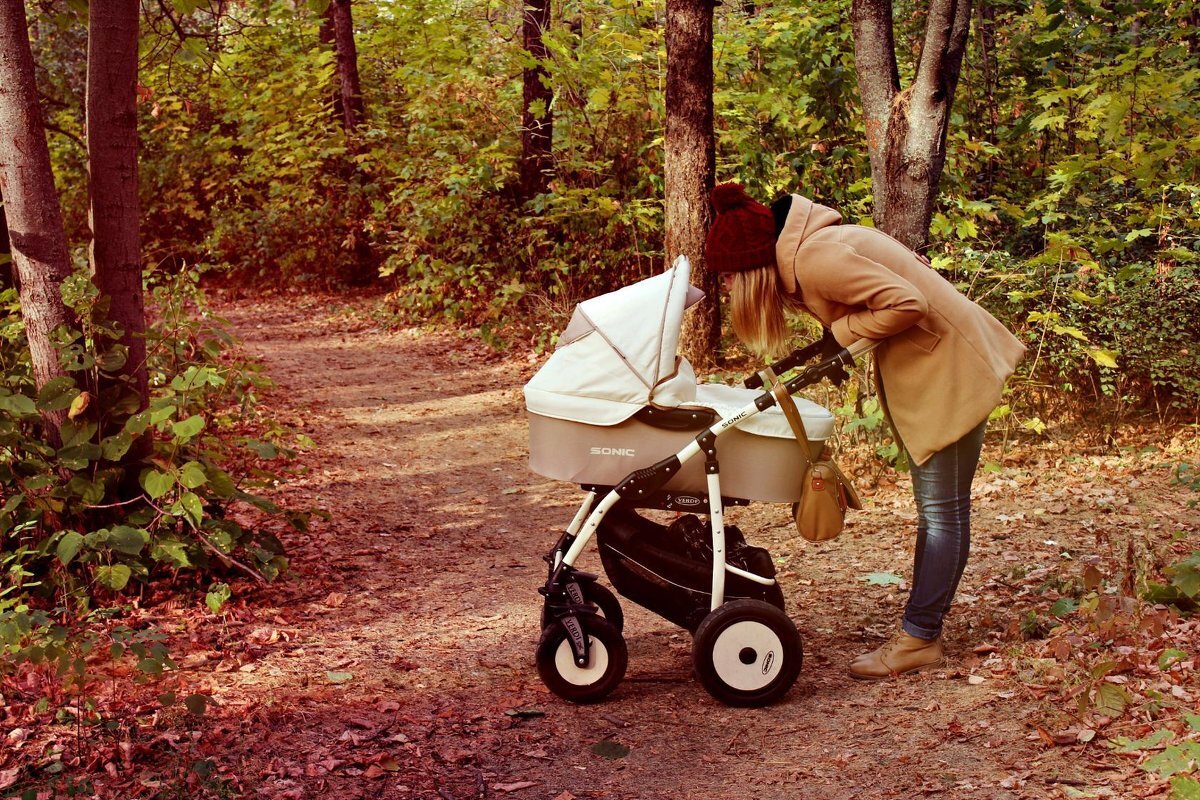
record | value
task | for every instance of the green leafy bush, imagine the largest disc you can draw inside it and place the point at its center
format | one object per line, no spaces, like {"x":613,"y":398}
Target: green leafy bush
{"x":131,"y":493}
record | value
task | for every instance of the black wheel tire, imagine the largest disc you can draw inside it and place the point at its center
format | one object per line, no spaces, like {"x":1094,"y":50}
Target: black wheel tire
{"x":607,"y":659}
{"x":747,"y":653}
{"x":607,"y":605}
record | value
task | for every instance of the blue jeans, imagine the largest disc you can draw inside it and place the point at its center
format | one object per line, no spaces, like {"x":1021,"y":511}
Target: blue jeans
{"x":942,"y":488}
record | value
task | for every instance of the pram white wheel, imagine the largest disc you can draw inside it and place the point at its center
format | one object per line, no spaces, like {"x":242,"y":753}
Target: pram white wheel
{"x":747,"y":653}
{"x":607,"y":659}
{"x":607,"y":605}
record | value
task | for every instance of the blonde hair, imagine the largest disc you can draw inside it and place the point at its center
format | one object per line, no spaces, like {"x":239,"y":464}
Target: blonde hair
{"x":758,"y":305}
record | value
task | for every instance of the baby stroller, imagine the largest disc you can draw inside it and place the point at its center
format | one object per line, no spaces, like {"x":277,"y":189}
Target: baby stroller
{"x":617,"y":412}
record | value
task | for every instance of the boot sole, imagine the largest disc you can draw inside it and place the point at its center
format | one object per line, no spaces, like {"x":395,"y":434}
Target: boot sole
{"x":876,"y":678}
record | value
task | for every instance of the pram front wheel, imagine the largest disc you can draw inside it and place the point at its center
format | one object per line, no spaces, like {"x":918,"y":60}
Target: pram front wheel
{"x":747,"y":653}
{"x":607,"y":659}
{"x":607,"y":605}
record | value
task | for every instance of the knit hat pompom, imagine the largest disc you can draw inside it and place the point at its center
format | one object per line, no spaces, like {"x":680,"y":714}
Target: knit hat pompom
{"x":742,"y":235}
{"x":729,"y":196}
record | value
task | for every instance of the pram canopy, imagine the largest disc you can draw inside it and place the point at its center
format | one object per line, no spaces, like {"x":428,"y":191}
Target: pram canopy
{"x":618,"y":355}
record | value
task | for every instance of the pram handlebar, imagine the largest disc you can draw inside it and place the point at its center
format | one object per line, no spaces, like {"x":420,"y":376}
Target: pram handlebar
{"x":790,"y":361}
{"x":818,"y":371}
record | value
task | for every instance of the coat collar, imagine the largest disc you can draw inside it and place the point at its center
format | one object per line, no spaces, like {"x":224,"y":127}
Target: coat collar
{"x":803,"y":220}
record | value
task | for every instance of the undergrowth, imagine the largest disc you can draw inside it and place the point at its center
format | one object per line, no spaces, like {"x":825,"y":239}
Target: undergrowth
{"x":137,"y":493}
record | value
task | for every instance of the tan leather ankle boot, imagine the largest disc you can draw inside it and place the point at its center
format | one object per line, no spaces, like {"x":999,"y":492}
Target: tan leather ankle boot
{"x":902,"y":654}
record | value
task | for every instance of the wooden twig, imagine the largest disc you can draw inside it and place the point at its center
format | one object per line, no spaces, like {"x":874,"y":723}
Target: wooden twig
{"x":228,"y":560}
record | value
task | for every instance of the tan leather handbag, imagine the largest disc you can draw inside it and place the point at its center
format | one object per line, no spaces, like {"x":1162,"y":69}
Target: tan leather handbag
{"x":820,"y":514}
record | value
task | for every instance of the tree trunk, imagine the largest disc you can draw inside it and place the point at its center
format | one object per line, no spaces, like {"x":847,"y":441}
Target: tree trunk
{"x":986,"y":37}
{"x":537,"y":117}
{"x":906,"y":128}
{"x":114,"y":213}
{"x":6,"y":275}
{"x":689,"y":163}
{"x":350,"y":97}
{"x":337,"y":31}
{"x":39,"y":244}
{"x":328,"y":36}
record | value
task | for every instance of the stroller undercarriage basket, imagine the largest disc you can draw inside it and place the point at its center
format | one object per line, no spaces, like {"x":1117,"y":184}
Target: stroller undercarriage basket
{"x":667,"y":569}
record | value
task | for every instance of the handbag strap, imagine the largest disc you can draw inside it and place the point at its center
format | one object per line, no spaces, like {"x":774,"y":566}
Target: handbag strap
{"x":788,"y":406}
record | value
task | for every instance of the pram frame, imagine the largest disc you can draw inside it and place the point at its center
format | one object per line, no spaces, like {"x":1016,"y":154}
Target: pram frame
{"x":562,"y":591}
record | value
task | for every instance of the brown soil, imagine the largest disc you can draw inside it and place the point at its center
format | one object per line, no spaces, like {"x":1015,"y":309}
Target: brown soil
{"x":398,"y":661}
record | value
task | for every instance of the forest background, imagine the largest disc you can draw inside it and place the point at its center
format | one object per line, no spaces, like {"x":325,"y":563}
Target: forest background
{"x":290,"y":147}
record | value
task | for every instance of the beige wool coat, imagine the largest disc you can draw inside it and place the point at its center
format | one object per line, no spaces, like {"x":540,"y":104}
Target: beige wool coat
{"x":943,"y":359}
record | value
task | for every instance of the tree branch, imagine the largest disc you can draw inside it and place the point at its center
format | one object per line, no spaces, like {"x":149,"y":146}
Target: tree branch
{"x":228,"y":560}
{"x":942,"y":52}
{"x":875,"y":64}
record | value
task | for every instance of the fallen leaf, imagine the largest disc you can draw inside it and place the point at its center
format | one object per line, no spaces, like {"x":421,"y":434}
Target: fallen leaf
{"x":512,"y":787}
{"x":9,"y":776}
{"x":882,"y":579}
{"x":525,"y":713}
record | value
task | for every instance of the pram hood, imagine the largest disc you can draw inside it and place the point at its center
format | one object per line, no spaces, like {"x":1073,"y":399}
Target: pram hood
{"x":617,"y":356}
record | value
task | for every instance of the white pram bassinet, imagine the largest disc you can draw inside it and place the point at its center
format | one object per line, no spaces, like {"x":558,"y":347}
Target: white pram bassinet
{"x":615,"y":397}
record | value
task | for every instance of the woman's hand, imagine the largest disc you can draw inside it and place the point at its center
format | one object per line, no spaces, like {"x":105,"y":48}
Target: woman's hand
{"x":831,"y":348}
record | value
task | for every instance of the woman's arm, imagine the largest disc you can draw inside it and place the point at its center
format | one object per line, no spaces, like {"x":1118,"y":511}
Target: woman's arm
{"x":884,"y":303}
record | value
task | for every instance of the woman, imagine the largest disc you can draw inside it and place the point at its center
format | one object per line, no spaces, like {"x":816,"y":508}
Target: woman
{"x":941,"y":366}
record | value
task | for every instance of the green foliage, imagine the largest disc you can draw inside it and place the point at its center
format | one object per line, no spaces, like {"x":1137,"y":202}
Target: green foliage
{"x":132,"y":492}
{"x":1069,"y":207}
{"x":1183,"y":588}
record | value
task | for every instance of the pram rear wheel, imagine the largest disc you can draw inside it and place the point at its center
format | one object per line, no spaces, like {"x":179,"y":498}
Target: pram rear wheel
{"x":607,"y":605}
{"x":607,"y":659}
{"x":747,"y":653}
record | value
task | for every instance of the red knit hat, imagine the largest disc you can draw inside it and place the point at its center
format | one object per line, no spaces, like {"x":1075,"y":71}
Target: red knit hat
{"x":742,"y":235}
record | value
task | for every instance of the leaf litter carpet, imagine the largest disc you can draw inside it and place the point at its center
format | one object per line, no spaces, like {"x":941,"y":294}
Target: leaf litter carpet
{"x":398,"y":661}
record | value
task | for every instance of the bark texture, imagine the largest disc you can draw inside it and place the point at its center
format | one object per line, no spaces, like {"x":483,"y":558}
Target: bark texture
{"x":112,"y":144}
{"x":350,"y":97}
{"x":689,"y":163}
{"x":39,"y":243}
{"x":906,"y":128}
{"x":6,"y":279}
{"x":537,"y":116}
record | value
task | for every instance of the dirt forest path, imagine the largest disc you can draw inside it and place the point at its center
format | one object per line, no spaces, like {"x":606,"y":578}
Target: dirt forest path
{"x":398,"y":663}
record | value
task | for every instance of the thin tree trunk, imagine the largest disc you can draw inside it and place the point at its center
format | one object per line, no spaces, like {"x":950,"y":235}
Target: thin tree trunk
{"x":350,"y":94}
{"x":906,"y":128}
{"x":337,"y":31}
{"x":6,"y":274}
{"x":36,"y":233}
{"x":328,"y":36}
{"x":537,"y":117}
{"x":689,"y":163}
{"x":986,"y":27}
{"x":114,"y":213}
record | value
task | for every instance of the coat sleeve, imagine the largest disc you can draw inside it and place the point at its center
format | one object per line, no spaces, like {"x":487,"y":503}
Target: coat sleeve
{"x":883,"y":303}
